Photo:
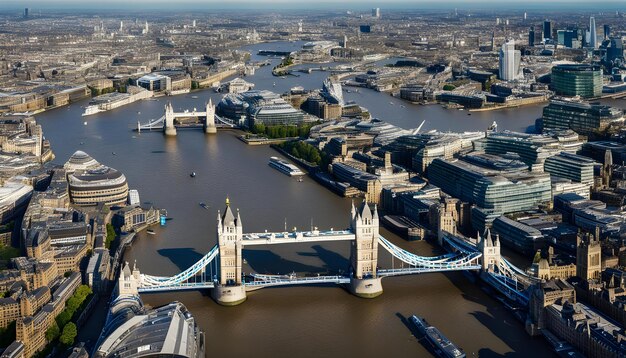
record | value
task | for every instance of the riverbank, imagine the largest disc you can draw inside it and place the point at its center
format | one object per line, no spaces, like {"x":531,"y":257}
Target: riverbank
{"x":261,"y":140}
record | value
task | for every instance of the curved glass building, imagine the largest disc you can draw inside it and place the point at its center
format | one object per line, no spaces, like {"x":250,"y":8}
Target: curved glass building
{"x":91,"y":183}
{"x":577,"y":80}
{"x":132,"y":330}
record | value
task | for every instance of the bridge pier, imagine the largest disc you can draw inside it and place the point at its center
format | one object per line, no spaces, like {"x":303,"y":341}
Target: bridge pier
{"x":229,"y":295}
{"x":366,"y":287}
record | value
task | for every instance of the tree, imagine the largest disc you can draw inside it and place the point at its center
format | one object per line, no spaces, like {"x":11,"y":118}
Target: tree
{"x":448,"y":87}
{"x":52,"y":332}
{"x":63,"y":318}
{"x":537,"y":257}
{"x":7,"y":334}
{"x":110,"y":236}
{"x":69,"y":334}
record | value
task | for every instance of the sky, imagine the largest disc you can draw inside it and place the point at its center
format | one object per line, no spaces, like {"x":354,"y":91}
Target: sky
{"x":598,"y":5}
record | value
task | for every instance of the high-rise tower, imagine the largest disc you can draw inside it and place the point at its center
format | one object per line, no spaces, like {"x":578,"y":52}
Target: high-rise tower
{"x":593,"y":37}
{"x":509,"y":61}
{"x":547,"y":30}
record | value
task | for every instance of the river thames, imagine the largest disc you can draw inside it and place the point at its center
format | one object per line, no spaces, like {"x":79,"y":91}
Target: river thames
{"x":295,"y":321}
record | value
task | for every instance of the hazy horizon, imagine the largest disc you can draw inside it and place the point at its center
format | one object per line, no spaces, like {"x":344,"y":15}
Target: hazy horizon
{"x":605,"y":5}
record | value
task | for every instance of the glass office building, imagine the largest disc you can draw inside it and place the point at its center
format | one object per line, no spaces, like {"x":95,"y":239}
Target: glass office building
{"x":263,"y":107}
{"x":571,"y":166}
{"x":583,"y":118}
{"x":577,"y":80}
{"x":494,"y":191}
{"x":518,"y":236}
{"x":532,"y":149}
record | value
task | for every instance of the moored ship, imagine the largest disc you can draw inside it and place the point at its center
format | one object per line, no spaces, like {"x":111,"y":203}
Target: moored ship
{"x":114,"y":100}
{"x":284,"y":167}
{"x":442,"y":345}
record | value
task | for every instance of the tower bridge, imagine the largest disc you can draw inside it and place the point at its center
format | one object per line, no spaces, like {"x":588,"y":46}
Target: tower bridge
{"x":170,"y":121}
{"x":220,"y":270}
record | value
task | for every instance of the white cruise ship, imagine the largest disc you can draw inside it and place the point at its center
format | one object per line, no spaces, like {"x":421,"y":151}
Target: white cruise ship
{"x":284,"y":167}
{"x":114,"y":100}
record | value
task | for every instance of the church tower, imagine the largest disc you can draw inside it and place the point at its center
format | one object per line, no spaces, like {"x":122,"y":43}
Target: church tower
{"x":588,"y":257}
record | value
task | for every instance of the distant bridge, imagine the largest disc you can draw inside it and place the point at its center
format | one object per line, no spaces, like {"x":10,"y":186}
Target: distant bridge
{"x":170,"y":120}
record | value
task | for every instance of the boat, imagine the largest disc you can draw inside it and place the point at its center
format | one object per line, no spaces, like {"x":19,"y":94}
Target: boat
{"x":204,"y":206}
{"x":441,"y":345}
{"x":193,"y":174}
{"x":109,"y":101}
{"x":151,"y":232}
{"x":84,"y":123}
{"x":284,"y":167}
{"x":194,"y":97}
{"x":89,"y":110}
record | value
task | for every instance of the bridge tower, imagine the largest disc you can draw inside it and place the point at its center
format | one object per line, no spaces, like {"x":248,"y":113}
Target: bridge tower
{"x":168,"y":125}
{"x":229,"y":291}
{"x":491,"y":251}
{"x":364,"y":282}
{"x":209,"y":122}
{"x":129,"y":281}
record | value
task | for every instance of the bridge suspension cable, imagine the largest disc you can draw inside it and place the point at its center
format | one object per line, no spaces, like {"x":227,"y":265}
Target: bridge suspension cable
{"x":180,"y":278}
{"x":444,"y":262}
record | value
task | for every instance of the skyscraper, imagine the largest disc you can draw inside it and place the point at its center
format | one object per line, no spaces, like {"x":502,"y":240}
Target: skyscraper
{"x":531,"y":36}
{"x":25,"y":12}
{"x":615,"y":50}
{"x":547,"y":30}
{"x":593,"y":38}
{"x":509,"y":61}
{"x":376,"y":12}
{"x":607,"y":31}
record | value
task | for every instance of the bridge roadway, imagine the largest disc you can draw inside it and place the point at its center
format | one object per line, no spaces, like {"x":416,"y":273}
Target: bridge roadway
{"x":262,"y":281}
{"x":294,"y":237}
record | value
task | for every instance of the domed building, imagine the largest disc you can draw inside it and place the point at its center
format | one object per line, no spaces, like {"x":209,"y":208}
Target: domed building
{"x":80,"y":161}
{"x":91,"y":183}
